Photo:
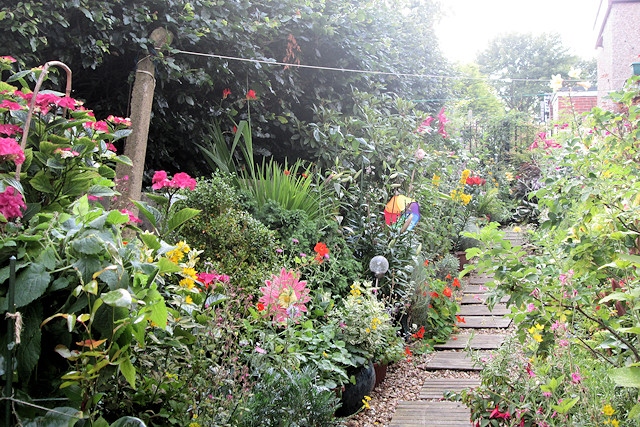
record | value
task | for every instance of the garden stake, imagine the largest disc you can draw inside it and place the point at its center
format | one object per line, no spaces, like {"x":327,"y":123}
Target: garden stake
{"x":11,"y":315}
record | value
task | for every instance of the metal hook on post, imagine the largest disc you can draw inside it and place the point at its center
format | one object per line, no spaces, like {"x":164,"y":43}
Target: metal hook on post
{"x":32,"y":104}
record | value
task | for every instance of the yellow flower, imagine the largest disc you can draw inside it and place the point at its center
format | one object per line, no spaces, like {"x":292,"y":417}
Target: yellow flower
{"x":188,"y":299}
{"x":187,"y":283}
{"x":517,"y":229}
{"x":465,"y":198}
{"x":608,"y":410}
{"x":355,"y":290}
{"x":464,"y":176}
{"x":508,"y":176}
{"x":365,"y":402}
{"x":368,"y":330}
{"x":615,"y":423}
{"x":435,"y":180}
{"x":537,"y":337}
{"x":287,"y":298}
{"x":194,"y":424}
{"x":375,"y":322}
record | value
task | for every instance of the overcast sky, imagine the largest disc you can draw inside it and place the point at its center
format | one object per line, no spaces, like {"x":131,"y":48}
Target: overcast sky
{"x":469,"y":25}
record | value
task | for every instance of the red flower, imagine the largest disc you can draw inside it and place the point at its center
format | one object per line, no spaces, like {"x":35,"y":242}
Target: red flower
{"x":426,"y":263}
{"x":251,"y":94}
{"x":260,"y":306}
{"x":287,"y":172}
{"x":226,"y":92}
{"x":456,"y":283}
{"x":447,"y":292}
{"x":460,"y":319}
{"x":434,"y":294}
{"x":497,"y":414}
{"x":448,"y":277}
{"x":407,"y":352}
{"x":419,"y":334}
{"x":322,"y":251}
{"x":235,"y":129}
{"x":475,"y":180}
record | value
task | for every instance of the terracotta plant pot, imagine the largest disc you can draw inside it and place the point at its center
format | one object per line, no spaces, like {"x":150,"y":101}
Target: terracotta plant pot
{"x":381,"y":373}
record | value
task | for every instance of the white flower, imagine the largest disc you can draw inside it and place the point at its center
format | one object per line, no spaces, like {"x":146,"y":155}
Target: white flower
{"x":556,"y":82}
{"x":574,"y":73}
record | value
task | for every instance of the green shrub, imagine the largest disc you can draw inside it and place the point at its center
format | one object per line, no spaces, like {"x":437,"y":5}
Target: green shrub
{"x":232,"y":240}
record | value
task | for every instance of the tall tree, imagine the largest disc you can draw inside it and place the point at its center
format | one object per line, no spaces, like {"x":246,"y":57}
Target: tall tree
{"x":521,"y":66}
{"x":103,"y":40}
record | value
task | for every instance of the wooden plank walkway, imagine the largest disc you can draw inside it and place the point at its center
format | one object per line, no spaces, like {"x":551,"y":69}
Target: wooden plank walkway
{"x":431,"y":414}
{"x":483,"y":310}
{"x":473,"y":341}
{"x":431,"y":410}
{"x":434,"y":388}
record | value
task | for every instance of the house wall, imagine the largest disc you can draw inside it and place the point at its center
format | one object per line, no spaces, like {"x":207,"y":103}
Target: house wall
{"x":562,"y":101}
{"x":619,"y":43}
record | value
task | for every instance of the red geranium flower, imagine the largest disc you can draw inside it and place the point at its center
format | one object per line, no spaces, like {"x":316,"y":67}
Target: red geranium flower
{"x":419,"y":334}
{"x":456,"y":283}
{"x":322,"y":251}
{"x":447,"y":292}
{"x":251,"y":94}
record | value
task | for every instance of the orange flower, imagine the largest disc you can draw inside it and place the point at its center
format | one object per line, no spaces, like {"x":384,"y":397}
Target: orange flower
{"x":322,"y":251}
{"x":460,"y":319}
{"x":407,"y":352}
{"x":419,"y":334}
{"x":434,"y":294}
{"x":426,"y":263}
{"x":456,"y":283}
{"x":251,"y":94}
{"x":287,"y":172}
{"x":448,"y":277}
{"x":447,"y":292}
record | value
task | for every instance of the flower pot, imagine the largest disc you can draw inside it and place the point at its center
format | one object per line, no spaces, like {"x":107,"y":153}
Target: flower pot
{"x":352,"y":395}
{"x":462,"y":258}
{"x":381,"y":373}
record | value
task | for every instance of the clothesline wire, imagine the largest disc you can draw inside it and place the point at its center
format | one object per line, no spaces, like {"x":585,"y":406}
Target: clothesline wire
{"x":351,"y":70}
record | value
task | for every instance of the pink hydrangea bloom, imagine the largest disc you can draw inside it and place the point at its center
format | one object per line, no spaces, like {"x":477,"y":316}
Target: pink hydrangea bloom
{"x":183,"y":180}
{"x":208,"y":278}
{"x":10,"y":105}
{"x":9,"y":129}
{"x":159,"y":180}
{"x":11,"y":203}
{"x":119,"y":120}
{"x":10,"y":151}
{"x":284,"y":296}
{"x":132,"y":218}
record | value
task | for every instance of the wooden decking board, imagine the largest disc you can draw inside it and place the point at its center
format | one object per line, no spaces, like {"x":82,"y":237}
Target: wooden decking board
{"x":483,"y":310}
{"x":452,"y":360}
{"x":431,"y":414}
{"x":474,"y":289}
{"x":473,"y":341}
{"x":479,"y":299}
{"x":479,"y":280}
{"x":475,"y":322}
{"x":434,"y":388}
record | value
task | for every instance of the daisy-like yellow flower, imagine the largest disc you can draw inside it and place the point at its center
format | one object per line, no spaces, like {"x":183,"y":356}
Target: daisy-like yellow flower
{"x":463,"y":177}
{"x":188,"y":299}
{"x":375,"y":322}
{"x":465,"y":198}
{"x":537,"y":337}
{"x":615,"y":423}
{"x":178,"y":253}
{"x":187,"y":283}
{"x":608,"y":410}
{"x":355,"y":290}
{"x":435,"y":180}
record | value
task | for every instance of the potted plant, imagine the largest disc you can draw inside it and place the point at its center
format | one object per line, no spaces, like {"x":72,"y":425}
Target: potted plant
{"x":365,"y":326}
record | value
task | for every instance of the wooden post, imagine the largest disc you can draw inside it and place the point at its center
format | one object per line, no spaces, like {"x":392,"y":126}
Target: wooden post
{"x":129,"y":178}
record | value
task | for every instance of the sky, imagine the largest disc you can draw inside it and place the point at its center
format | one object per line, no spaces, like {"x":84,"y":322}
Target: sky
{"x":469,"y":25}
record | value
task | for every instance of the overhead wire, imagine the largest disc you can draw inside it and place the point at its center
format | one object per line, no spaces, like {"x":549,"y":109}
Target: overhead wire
{"x":352,"y":70}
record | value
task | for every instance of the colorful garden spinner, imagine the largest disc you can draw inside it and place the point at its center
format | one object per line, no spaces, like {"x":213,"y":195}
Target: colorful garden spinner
{"x":402,"y":210}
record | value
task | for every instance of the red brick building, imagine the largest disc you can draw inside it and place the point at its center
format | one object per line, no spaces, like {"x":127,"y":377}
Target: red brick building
{"x":562,"y":102}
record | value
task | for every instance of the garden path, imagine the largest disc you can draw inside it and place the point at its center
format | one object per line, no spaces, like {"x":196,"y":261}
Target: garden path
{"x":482,"y":330}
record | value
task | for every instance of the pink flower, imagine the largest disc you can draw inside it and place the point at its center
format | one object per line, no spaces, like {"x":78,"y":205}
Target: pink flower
{"x":159,"y":180}
{"x":284,"y":296}
{"x":132,"y":217}
{"x":8,"y":59}
{"x":531,"y":307}
{"x":99,"y":126}
{"x":546,"y":393}
{"x":208,"y":278}
{"x":260,"y":350}
{"x":9,"y":129}
{"x":565,"y":277}
{"x":420,"y":154}
{"x":10,"y":150}
{"x":497,"y":414}
{"x":576,"y":378}
{"x":183,"y":180}
{"x":563,"y":343}
{"x":442,"y":119}
{"x":119,"y":120}
{"x":11,"y":203}
{"x":66,"y":102}
{"x":10,"y":105}
{"x":425,"y":125}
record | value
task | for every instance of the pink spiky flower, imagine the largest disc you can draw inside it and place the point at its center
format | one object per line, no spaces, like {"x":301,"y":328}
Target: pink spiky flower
{"x":284,"y":296}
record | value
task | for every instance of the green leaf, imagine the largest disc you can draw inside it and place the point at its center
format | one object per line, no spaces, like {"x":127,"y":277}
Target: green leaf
{"x":128,"y":422}
{"x":150,"y":240}
{"x":116,"y":217}
{"x":31,"y":283}
{"x":157,"y":310}
{"x":151,"y":214}
{"x":626,"y":377}
{"x":129,"y":371}
{"x":57,"y":417}
{"x":28,"y":352}
{"x":180,"y":218}
{"x":167,"y":266}
{"x":117,"y":298}
{"x":42,"y":183}
{"x":90,"y":245}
